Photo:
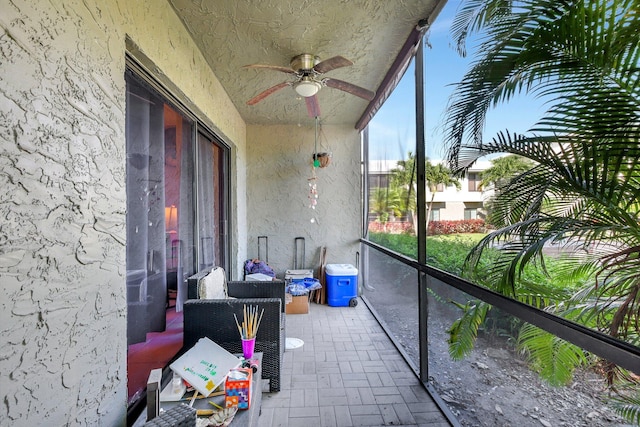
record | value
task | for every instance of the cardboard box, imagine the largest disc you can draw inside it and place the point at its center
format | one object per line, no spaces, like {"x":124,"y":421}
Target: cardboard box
{"x":237,"y":388}
{"x":297,"y":304}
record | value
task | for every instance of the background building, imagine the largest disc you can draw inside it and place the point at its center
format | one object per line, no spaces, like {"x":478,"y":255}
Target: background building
{"x":450,"y":203}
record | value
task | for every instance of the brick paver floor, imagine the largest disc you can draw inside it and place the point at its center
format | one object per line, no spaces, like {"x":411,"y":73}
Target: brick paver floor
{"x":347,"y":373}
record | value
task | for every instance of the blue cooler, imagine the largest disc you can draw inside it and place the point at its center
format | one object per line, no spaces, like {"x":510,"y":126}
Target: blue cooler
{"x":342,"y":285}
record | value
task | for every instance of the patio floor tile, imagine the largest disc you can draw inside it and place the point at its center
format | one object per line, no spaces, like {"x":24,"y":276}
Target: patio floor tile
{"x":347,"y":373}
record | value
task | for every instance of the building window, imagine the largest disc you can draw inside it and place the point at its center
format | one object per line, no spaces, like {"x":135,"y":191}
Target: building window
{"x":470,"y":213}
{"x":435,"y":215}
{"x":474,"y":181}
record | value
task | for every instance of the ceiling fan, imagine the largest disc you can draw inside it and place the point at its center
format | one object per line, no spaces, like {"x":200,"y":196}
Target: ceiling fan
{"x":308,"y":71}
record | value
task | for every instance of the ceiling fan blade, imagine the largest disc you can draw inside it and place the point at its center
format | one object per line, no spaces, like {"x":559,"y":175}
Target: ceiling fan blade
{"x":349,"y":88}
{"x":272,"y":67}
{"x":313,"y":107}
{"x":267,"y":92}
{"x":332,"y":64}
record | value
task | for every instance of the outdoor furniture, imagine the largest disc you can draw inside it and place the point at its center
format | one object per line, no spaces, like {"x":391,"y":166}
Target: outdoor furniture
{"x":214,"y":319}
{"x":176,"y":413}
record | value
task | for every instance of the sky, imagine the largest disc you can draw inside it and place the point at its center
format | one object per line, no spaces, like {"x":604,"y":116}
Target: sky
{"x":392,"y":131}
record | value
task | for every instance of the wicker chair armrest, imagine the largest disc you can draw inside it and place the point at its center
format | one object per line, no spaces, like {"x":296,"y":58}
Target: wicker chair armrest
{"x":215,"y":319}
{"x":241,"y":289}
{"x":252,"y":289}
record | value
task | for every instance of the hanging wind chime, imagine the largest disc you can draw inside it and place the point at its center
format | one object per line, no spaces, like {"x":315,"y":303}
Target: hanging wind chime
{"x":313,"y":188}
{"x":320,"y":160}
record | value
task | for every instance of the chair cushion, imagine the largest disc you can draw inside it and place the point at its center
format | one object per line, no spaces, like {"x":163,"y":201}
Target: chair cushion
{"x":213,"y":285}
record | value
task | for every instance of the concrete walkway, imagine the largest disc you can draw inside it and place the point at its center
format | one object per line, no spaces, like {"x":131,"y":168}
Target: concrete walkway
{"x":347,"y":373}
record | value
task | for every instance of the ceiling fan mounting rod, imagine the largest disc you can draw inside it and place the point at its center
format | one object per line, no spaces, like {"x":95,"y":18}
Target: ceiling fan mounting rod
{"x":304,"y":61}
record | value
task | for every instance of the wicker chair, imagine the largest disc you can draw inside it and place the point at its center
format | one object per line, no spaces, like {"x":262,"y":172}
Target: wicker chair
{"x":213,"y":318}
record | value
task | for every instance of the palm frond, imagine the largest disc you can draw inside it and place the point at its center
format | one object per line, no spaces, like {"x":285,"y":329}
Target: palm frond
{"x":464,"y":331}
{"x":554,"y":358}
{"x":627,"y":402}
{"x":561,"y":51}
{"x":472,"y":16}
{"x":539,"y":295}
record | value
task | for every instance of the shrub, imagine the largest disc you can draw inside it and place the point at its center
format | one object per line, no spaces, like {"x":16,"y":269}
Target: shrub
{"x":391,"y":227}
{"x":401,"y":243}
{"x":456,"y":227}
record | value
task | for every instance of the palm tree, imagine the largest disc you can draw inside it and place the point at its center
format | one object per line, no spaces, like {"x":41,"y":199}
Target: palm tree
{"x":501,"y":171}
{"x":385,"y":201}
{"x":504,"y":168}
{"x":583,"y":57}
{"x":403,"y":179}
{"x":437,"y":175}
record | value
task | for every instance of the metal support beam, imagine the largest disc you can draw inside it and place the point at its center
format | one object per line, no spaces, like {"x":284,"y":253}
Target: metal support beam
{"x":420,"y":163}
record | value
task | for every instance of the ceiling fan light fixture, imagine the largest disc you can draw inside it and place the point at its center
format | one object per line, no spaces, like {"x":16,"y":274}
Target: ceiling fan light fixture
{"x":307,"y":87}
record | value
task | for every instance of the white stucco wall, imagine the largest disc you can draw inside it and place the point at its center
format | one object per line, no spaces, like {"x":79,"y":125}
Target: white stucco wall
{"x":280,"y":162}
{"x":62,"y":167}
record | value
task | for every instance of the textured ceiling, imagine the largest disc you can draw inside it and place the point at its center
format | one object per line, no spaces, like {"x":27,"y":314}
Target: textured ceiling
{"x":233,"y":33}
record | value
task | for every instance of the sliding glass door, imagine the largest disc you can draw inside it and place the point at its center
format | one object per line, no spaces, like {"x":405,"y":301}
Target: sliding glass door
{"x":176,"y":179}
{"x":211,"y":196}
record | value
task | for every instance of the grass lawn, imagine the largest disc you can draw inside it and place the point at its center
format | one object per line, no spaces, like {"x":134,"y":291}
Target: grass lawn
{"x":449,"y":252}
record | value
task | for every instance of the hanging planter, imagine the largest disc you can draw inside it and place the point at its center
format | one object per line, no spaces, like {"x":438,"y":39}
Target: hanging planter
{"x":322,"y":159}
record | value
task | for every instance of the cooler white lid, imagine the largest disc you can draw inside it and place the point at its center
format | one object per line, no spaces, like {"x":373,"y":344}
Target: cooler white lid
{"x":341,"y":270}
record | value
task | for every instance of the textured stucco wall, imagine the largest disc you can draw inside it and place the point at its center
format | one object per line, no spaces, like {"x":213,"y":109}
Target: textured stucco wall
{"x":277,"y":193}
{"x":62,"y":209}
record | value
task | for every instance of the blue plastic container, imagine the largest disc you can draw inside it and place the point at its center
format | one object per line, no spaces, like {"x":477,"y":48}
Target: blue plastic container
{"x":342,"y":285}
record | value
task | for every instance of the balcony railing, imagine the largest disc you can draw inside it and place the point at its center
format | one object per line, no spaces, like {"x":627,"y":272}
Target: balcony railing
{"x":493,"y":384}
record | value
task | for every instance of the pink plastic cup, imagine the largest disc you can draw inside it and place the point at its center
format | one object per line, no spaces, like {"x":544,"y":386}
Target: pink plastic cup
{"x":248,"y":346}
